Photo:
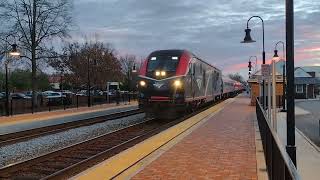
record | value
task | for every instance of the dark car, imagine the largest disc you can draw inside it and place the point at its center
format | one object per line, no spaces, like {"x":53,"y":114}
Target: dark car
{"x":19,"y":96}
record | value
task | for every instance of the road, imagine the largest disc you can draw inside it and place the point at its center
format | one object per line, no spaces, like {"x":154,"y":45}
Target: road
{"x":309,"y":123}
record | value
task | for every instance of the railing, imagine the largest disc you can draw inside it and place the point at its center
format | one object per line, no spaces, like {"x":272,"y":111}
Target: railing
{"x":279,"y":164}
{"x":23,"y":106}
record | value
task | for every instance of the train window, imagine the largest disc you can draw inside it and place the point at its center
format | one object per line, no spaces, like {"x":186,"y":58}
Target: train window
{"x":166,"y":63}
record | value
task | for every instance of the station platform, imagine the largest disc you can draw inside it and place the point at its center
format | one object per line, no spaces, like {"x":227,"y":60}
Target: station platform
{"x":22,"y":122}
{"x":222,"y":142}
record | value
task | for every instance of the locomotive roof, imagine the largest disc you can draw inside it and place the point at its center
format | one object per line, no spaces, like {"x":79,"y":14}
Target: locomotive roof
{"x":178,"y":52}
{"x":169,"y":52}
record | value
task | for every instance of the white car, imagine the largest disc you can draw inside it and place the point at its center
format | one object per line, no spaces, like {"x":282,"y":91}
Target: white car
{"x":52,"y":95}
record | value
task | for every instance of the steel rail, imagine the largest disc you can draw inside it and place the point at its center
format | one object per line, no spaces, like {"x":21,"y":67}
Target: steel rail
{"x":16,"y":137}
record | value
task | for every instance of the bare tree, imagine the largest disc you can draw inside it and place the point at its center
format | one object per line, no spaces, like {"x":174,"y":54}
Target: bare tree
{"x":92,"y":62}
{"x":128,"y":62}
{"x":35,"y":23}
{"x":237,"y":77}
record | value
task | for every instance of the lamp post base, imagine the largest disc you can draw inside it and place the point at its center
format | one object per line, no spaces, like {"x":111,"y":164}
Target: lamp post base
{"x":291,"y":150}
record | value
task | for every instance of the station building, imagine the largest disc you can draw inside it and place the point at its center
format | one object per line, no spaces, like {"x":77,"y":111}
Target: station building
{"x":307,"y":83}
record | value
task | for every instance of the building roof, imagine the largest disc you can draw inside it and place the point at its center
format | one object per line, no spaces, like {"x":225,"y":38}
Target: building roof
{"x":315,"y":69}
{"x":300,"y":72}
{"x":306,"y":80}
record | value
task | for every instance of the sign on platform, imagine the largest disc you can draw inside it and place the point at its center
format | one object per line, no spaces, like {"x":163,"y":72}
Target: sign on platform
{"x":265,"y":71}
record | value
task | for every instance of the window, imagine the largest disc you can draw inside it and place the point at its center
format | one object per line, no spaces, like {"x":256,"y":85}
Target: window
{"x":299,"y":88}
{"x":167,"y":63}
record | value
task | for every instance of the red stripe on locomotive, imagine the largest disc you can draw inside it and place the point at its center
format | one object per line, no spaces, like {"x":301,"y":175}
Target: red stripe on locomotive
{"x":143,"y":69}
{"x":183,"y":64}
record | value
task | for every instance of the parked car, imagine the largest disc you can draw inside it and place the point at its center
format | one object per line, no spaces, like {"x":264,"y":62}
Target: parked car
{"x":68,"y":92}
{"x":29,"y":93}
{"x":81,"y":93}
{"x":19,"y":96}
{"x":47,"y":93}
{"x":55,"y":98}
{"x":2,"y":95}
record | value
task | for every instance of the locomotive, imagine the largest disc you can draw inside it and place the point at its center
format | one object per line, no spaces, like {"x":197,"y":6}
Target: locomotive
{"x":172,"y":82}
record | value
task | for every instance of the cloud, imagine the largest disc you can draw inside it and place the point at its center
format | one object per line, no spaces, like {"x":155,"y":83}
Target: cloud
{"x":212,"y":29}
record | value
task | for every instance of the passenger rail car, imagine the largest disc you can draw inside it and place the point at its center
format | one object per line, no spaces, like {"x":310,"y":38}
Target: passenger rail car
{"x":173,"y":81}
{"x":231,"y":87}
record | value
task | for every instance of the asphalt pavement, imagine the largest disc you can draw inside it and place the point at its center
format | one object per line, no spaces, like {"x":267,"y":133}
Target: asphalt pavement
{"x":308,"y":122}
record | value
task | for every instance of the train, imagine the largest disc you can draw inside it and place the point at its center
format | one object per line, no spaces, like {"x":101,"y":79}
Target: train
{"x":172,"y":82}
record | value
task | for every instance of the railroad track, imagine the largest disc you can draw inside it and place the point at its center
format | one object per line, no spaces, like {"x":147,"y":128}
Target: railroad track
{"x":73,"y":159}
{"x":69,"y":161}
{"x":16,"y":137}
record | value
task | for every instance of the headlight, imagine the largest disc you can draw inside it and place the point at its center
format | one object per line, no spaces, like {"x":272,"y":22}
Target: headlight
{"x":163,"y":73}
{"x":157,"y":73}
{"x":177,"y":83}
{"x":142,"y":83}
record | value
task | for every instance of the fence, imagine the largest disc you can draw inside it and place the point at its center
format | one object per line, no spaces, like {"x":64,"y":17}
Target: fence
{"x":22,"y":106}
{"x":279,"y":164}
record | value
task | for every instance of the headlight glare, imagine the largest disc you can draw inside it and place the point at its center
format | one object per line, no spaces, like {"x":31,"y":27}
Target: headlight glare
{"x":163,"y":73}
{"x":177,"y":83}
{"x":142,"y":83}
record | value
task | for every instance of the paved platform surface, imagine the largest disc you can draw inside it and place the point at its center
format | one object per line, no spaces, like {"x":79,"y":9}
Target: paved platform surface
{"x":28,"y":121}
{"x":222,"y":148}
{"x":308,"y":153}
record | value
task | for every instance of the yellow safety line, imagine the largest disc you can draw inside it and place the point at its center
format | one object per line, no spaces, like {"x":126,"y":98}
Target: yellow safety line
{"x":117,"y":164}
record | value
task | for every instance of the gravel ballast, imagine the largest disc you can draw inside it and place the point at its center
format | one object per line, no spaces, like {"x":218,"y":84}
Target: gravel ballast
{"x":34,"y":147}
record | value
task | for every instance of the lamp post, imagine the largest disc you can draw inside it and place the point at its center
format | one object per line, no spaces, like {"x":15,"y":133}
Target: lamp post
{"x":88,"y":85}
{"x":283,"y":74}
{"x":256,"y":62}
{"x":7,"y":89}
{"x":248,"y":39}
{"x":15,"y":53}
{"x":291,"y":148}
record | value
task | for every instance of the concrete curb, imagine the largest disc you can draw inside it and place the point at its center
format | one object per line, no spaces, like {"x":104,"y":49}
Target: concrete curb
{"x":308,"y":140}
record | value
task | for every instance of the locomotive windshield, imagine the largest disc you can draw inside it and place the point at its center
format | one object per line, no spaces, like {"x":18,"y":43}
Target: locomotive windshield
{"x":166,"y":63}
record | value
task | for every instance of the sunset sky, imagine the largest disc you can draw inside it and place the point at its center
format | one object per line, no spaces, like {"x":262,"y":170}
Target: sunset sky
{"x":211,"y":29}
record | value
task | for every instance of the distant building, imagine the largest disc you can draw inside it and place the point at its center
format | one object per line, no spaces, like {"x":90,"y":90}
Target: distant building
{"x":54,"y":81}
{"x":307,"y":82}
{"x":255,"y":83}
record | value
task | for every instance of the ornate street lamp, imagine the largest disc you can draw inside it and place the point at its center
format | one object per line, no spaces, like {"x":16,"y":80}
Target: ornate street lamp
{"x":134,"y":69}
{"x":248,"y":39}
{"x":255,"y":63}
{"x":276,"y":56}
{"x":88,"y":83}
{"x":13,"y":53}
